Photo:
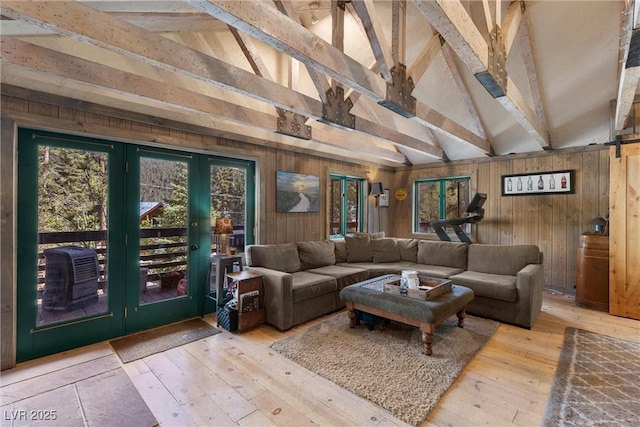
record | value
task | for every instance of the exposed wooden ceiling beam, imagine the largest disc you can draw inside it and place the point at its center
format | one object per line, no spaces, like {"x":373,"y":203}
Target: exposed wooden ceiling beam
{"x":89,"y":25}
{"x":366,"y":11}
{"x":448,"y":55}
{"x":318,"y":79}
{"x":31,"y":58}
{"x":451,"y":20}
{"x":630,"y":66}
{"x":294,"y":40}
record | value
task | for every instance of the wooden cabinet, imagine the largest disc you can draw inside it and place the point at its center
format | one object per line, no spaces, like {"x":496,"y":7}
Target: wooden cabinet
{"x":250,"y":294}
{"x":592,"y":275}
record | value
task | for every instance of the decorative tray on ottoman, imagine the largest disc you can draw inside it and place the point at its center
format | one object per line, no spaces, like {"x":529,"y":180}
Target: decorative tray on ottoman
{"x":428,"y":289}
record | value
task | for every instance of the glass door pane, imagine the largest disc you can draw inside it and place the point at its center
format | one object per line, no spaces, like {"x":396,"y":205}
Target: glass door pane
{"x":353,"y":213}
{"x":164,"y":222}
{"x":228,"y":203}
{"x":72,"y":234}
{"x":335,"y":207}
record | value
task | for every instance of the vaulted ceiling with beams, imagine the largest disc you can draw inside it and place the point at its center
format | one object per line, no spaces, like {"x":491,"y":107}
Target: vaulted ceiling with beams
{"x":402,"y":82}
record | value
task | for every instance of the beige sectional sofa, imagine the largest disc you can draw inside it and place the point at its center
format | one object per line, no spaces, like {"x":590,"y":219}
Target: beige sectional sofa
{"x":303,"y":280}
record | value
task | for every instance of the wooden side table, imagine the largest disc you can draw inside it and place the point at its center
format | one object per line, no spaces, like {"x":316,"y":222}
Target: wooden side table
{"x":250,"y":292}
{"x":219,"y":266}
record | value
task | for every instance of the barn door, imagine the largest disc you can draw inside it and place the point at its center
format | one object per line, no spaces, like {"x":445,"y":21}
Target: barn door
{"x":624,"y":232}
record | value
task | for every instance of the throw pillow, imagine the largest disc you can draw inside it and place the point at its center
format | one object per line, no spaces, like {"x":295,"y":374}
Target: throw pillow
{"x":384,"y":250}
{"x":446,"y":254}
{"x":316,"y":254}
{"x":282,"y":257}
{"x":408,"y":249}
{"x":340,"y":251}
{"x":358,"y":249}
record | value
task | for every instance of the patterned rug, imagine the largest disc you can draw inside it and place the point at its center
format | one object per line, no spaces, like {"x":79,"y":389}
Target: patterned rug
{"x":143,"y":344}
{"x":597,"y":382}
{"x":386,"y":365}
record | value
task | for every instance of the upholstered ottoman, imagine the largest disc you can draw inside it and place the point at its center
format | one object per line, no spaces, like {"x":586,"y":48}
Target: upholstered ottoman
{"x":369,"y":297}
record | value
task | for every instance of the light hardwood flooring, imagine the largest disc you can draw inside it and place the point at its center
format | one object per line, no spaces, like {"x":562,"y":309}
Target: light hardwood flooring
{"x":234,"y":379}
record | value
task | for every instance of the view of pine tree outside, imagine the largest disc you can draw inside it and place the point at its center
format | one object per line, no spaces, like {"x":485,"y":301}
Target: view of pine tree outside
{"x":228,"y":198}
{"x":72,"y":231}
{"x":163,"y":229}
{"x":440,"y":199}
{"x":345,"y":207}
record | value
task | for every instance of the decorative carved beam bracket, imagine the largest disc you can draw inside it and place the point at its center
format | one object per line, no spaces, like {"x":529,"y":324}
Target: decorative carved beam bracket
{"x":494,"y":80}
{"x":293,"y":124}
{"x":336,"y":110}
{"x":399,"y":98}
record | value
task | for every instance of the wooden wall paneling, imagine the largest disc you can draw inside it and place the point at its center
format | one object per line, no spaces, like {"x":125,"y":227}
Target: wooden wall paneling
{"x":519,"y":222}
{"x":8,"y":219}
{"x":559,"y":238}
{"x":401,"y":211}
{"x":118,"y":123}
{"x":506,"y":208}
{"x":41,"y":109}
{"x":574,"y":219}
{"x":483,"y":179}
{"x":531,"y":207}
{"x":603,"y":182}
{"x":72,"y":114}
{"x":99,"y":119}
{"x":269,"y":222}
{"x":545,"y":224}
{"x":589,"y":188}
{"x":494,"y":198}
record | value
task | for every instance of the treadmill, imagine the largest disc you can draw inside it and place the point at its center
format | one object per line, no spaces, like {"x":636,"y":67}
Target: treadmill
{"x":474,"y":214}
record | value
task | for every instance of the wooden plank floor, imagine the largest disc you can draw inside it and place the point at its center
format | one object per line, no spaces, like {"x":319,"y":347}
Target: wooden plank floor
{"x":234,"y":379}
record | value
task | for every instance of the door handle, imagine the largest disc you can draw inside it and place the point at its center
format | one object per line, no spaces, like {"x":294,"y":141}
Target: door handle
{"x":195,"y":247}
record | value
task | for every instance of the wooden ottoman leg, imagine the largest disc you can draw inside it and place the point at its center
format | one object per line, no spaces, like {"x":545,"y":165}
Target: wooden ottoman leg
{"x":427,"y":337}
{"x":461,"y":315}
{"x":353,"y":321}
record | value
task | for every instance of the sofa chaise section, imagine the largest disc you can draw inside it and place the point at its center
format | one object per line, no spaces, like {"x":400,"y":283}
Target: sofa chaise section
{"x":507,"y":282}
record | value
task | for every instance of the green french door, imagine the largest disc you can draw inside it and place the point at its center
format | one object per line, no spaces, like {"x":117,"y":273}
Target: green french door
{"x":70,"y":281}
{"x":115,"y":238}
{"x":167,"y":223}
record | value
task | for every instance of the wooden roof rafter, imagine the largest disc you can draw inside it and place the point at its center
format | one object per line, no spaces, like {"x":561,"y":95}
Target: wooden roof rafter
{"x":294,"y":40}
{"x":451,"y":20}
{"x":101,"y":78}
{"x":165,"y":54}
{"x":629,"y":70}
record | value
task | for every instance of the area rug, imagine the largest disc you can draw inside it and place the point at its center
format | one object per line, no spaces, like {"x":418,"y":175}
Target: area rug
{"x":386,"y":365}
{"x":597,"y":382}
{"x":146,"y":343}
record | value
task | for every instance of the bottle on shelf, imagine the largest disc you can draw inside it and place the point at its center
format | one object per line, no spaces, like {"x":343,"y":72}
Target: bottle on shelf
{"x":519,"y":184}
{"x":540,"y":183}
{"x":529,"y":184}
{"x":552,"y":183}
{"x":509,"y":185}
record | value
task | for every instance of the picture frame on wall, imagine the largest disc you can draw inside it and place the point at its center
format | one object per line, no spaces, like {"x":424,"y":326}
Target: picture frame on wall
{"x":524,"y":184}
{"x":297,"y":192}
{"x":383,"y":200}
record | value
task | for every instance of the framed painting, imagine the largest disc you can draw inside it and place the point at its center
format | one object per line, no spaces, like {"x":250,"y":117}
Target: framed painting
{"x":297,"y":192}
{"x":557,"y":182}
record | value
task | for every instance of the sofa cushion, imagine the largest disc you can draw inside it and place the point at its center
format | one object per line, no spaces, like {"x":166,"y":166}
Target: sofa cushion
{"x":382,"y":268}
{"x":446,"y":254}
{"x":305,"y":285}
{"x":408,"y":249}
{"x":499,"y":259}
{"x":358,"y":249}
{"x":340,"y":250}
{"x":317,"y":253}
{"x":493,"y":286}
{"x":283,"y":257}
{"x":384,"y":250}
{"x":438,"y":271}
{"x":345,"y":276}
